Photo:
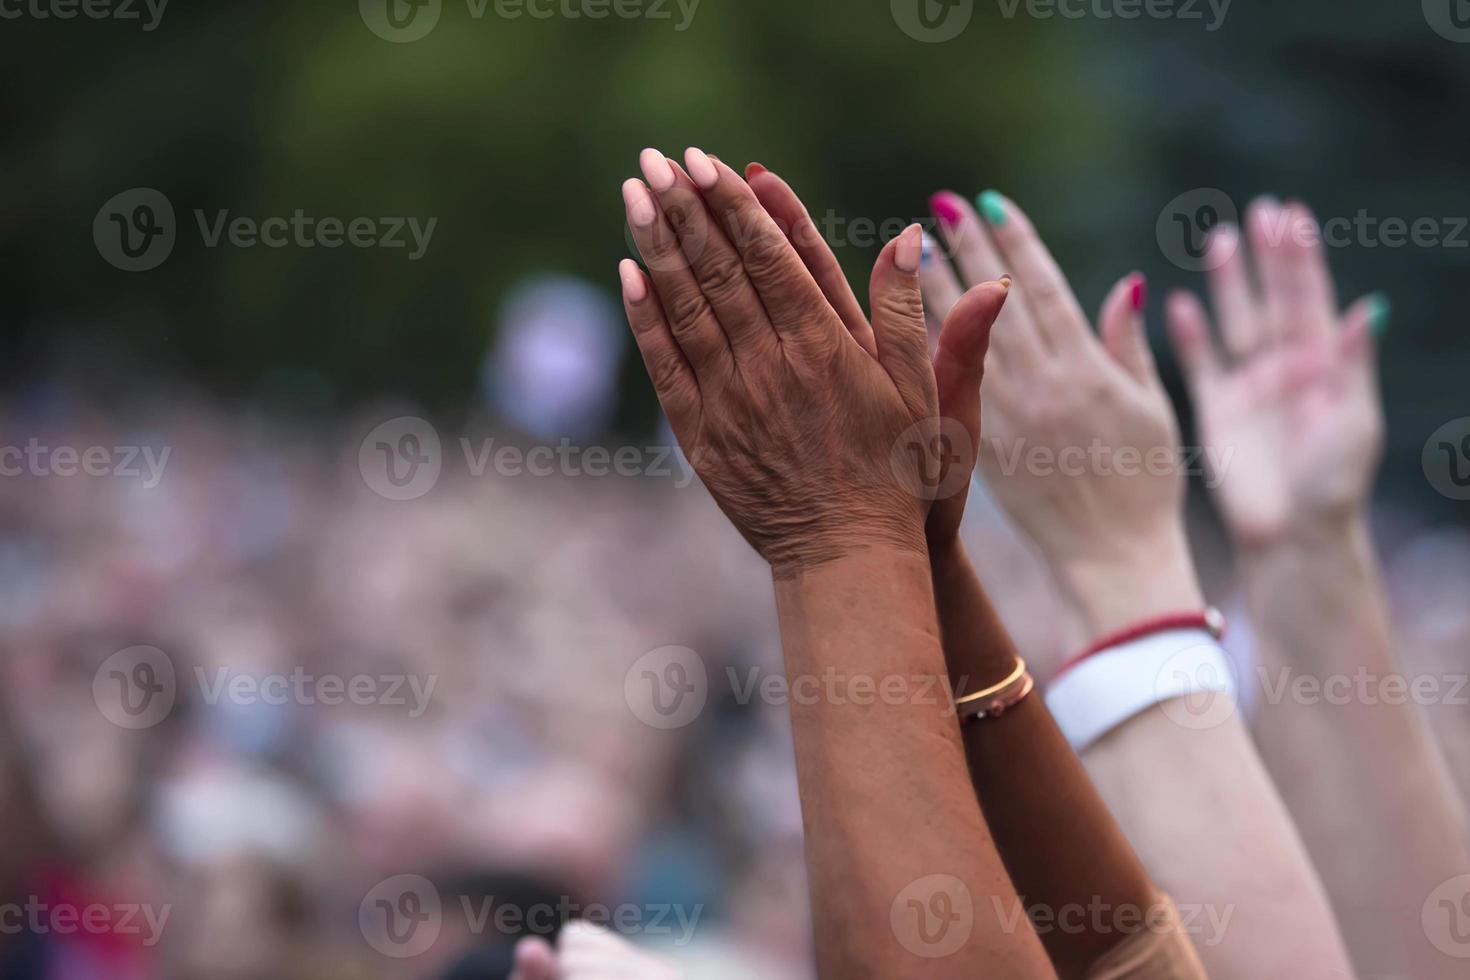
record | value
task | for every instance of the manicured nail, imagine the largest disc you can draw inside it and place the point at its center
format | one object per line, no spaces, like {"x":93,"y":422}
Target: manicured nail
{"x":701,"y":169}
{"x":1379,"y":310}
{"x":993,"y":206}
{"x":639,"y":203}
{"x":754,"y":170}
{"x":656,"y":170}
{"x":910,"y":245}
{"x":946,"y":208}
{"x":1138,"y":295}
{"x":635,"y":287}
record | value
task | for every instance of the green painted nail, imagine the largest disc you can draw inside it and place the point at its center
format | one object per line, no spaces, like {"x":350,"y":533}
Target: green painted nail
{"x":993,"y":206}
{"x":1379,"y":309}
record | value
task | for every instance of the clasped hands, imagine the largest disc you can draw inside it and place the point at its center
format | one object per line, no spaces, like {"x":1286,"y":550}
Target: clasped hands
{"x":816,"y":428}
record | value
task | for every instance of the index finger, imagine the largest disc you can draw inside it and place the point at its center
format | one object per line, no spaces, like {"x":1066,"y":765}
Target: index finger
{"x":793,"y":300}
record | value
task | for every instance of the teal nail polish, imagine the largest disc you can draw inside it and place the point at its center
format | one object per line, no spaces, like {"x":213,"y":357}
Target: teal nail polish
{"x":1379,"y":310}
{"x":992,"y":206}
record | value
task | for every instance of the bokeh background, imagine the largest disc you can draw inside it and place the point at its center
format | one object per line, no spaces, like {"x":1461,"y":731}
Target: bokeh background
{"x":266,"y":547}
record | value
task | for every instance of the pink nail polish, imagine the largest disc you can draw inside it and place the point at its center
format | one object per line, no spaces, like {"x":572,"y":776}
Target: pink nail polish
{"x":635,"y":287}
{"x":656,"y":170}
{"x":945,"y":209}
{"x":701,"y":168}
{"x":1139,"y":294}
{"x":906,"y":254}
{"x":641,"y":211}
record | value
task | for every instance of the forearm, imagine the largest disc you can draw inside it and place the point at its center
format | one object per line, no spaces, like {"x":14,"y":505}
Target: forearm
{"x":1340,"y":730}
{"x":1063,"y":849}
{"x":1200,"y":808}
{"x":1195,"y":799}
{"x":886,"y":802}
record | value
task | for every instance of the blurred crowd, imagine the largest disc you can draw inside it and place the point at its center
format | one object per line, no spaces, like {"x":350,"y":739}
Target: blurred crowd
{"x":496,"y":751}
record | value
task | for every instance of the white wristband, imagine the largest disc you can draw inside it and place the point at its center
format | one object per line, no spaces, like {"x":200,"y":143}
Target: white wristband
{"x":1113,"y":685}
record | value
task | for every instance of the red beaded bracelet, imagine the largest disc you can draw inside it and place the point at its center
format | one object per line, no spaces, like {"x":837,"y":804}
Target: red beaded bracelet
{"x":1210,"y":620}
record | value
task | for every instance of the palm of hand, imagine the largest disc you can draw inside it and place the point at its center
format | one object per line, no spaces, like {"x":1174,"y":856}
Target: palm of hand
{"x":1293,"y":434}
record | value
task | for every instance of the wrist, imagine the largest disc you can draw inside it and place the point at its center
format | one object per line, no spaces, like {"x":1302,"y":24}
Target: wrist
{"x":1325,"y":533}
{"x":1152,"y":578}
{"x":882,"y":531}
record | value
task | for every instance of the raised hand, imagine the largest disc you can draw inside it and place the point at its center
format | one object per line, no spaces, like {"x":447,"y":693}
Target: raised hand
{"x":787,"y":416}
{"x":1294,"y":396}
{"x":1081,"y":441}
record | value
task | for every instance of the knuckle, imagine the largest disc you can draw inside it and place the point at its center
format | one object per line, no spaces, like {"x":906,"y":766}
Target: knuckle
{"x":686,"y":309}
{"x":666,"y":371}
{"x":901,"y":304}
{"x":722,"y":277}
{"x":766,"y":258}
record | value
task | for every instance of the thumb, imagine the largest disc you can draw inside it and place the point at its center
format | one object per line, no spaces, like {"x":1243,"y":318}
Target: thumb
{"x":898,"y":318}
{"x":534,"y":960}
{"x":959,"y":364}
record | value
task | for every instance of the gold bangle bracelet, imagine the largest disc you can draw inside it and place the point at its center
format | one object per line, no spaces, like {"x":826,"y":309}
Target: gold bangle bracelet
{"x":1003,"y":704}
{"x":995,"y":689}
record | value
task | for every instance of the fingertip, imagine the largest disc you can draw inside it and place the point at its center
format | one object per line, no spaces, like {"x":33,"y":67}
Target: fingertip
{"x":907,"y":249}
{"x":635,"y":285}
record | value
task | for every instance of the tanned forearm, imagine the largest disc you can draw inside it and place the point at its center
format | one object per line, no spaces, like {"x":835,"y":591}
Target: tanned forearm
{"x":1341,"y":733}
{"x":1064,"y":850}
{"x":886,"y":801}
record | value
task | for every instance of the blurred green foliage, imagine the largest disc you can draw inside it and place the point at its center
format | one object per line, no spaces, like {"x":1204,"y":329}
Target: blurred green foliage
{"x":515,"y":134}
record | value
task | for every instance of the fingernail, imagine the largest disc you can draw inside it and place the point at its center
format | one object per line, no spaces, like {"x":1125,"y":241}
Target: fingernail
{"x":656,"y":170}
{"x":1005,"y":280}
{"x":1139,"y":294}
{"x":1379,"y":310}
{"x":701,"y":169}
{"x":754,"y":170}
{"x":906,"y":255}
{"x":945,"y":206}
{"x":992,"y":206}
{"x":635,"y":288}
{"x":639,"y":203}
